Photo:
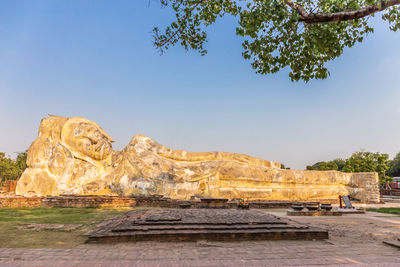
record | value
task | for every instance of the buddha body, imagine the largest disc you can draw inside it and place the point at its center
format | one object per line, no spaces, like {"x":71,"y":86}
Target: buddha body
{"x":75,"y":156}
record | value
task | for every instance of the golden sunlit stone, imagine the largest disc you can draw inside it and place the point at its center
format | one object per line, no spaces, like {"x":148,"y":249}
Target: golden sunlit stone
{"x":75,"y":156}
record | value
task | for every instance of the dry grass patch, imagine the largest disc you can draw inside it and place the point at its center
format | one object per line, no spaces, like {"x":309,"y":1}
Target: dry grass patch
{"x":16,"y":230}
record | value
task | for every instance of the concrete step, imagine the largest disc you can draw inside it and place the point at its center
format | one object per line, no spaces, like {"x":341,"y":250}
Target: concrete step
{"x":393,"y":243}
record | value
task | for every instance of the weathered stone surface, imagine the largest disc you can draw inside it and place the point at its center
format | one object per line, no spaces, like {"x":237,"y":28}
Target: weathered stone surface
{"x":75,"y":156}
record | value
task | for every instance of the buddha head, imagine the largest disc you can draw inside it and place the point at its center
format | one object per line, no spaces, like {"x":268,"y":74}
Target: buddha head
{"x":51,"y":157}
{"x":86,"y":140}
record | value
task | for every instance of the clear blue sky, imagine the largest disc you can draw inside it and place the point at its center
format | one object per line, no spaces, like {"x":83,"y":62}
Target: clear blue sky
{"x":95,"y":59}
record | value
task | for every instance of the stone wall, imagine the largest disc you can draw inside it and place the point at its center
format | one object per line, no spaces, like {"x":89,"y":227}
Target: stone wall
{"x":88,"y":201}
{"x":67,"y":202}
{"x":9,"y":186}
{"x":20,"y":202}
{"x":365,"y":186}
{"x":134,"y":201}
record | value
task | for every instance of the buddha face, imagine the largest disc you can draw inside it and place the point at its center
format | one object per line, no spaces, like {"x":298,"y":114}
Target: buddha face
{"x":87,"y":138}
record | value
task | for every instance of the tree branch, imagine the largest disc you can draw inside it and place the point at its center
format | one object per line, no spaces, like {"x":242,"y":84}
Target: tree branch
{"x":161,"y":44}
{"x":303,"y":13}
{"x":341,"y":16}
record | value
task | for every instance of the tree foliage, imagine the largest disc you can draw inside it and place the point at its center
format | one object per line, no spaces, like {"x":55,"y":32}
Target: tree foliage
{"x":361,"y":161}
{"x":364,"y":161}
{"x":284,"y":167}
{"x":336,"y":165}
{"x":394,"y":166}
{"x":11,"y":169}
{"x":278,"y":34}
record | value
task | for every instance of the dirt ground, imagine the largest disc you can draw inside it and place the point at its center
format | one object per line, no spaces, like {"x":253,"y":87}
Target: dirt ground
{"x":354,"y":240}
{"x":371,"y":227}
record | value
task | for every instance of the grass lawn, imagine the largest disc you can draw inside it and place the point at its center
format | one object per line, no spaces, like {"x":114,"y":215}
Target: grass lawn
{"x":395,"y":211}
{"x":11,"y":219}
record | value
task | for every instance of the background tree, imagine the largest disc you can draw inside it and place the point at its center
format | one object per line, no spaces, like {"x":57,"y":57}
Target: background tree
{"x":364,"y":161}
{"x":301,"y":35}
{"x":12,"y":169}
{"x":21,"y":161}
{"x":394,"y":166}
{"x":336,"y":164}
{"x":284,"y":167}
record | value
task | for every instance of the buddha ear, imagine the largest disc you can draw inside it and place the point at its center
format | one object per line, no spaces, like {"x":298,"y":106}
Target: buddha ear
{"x":40,"y":151}
{"x":51,"y":127}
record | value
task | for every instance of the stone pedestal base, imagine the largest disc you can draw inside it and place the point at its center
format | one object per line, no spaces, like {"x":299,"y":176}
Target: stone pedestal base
{"x":313,"y":213}
{"x":205,"y":224}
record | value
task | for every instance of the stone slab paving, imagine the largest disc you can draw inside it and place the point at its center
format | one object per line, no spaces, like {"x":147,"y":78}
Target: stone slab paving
{"x":248,"y":253}
{"x":355,"y":240}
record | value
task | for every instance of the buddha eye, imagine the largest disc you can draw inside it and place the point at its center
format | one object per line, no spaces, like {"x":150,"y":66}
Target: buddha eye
{"x":87,"y":144}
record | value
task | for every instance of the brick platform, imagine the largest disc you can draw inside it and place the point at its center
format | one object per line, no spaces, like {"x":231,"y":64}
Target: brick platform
{"x":313,"y":213}
{"x":214,"y":203}
{"x":67,"y":202}
{"x":20,"y":202}
{"x":206,"y":224}
{"x":9,"y":186}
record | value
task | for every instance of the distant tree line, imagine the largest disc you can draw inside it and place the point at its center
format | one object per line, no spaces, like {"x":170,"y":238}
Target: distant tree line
{"x":363,"y":161}
{"x":11,"y":169}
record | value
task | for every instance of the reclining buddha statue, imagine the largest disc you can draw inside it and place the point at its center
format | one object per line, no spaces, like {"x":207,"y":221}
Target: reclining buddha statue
{"x":75,"y":156}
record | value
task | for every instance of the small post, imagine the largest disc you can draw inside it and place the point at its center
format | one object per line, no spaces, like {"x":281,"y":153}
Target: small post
{"x":340,"y":201}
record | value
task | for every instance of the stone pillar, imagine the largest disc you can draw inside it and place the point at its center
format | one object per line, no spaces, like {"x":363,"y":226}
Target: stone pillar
{"x":365,"y":186}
